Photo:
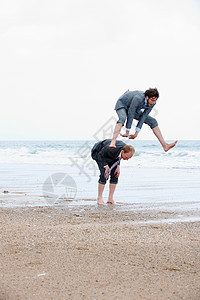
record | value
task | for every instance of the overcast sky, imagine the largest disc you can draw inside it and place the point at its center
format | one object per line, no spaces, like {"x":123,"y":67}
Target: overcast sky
{"x":64,"y":63}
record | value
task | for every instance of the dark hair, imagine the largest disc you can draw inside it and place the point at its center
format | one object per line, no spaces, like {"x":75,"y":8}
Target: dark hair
{"x":151,"y":93}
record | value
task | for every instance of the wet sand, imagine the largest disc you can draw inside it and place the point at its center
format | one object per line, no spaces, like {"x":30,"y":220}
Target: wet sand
{"x":86,"y":252}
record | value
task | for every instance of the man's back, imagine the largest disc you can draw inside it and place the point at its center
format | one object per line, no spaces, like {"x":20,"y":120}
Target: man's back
{"x":125,"y":100}
{"x":102,"y":148}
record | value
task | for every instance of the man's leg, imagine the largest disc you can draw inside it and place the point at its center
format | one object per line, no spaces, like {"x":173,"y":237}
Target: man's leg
{"x":101,"y":182}
{"x":158,"y":134}
{"x":100,"y":193}
{"x":122,"y":118}
{"x":115,"y":135}
{"x":112,"y":188}
{"x":156,"y":130}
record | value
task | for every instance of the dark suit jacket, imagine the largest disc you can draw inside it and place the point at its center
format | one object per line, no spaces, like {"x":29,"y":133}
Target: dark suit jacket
{"x":106,"y":155}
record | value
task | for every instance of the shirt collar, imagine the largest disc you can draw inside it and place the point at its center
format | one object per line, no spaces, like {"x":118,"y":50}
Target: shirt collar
{"x":120,"y":155}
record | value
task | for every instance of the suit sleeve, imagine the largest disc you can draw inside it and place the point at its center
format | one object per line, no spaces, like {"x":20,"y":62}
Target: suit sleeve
{"x":143,"y":117}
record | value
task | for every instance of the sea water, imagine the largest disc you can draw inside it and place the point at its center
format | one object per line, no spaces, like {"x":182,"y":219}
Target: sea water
{"x":186,"y":154}
{"x":36,"y":173}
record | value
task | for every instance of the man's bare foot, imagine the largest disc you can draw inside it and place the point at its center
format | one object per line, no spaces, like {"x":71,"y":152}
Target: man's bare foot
{"x":169,"y":146}
{"x":111,"y":202}
{"x":112,"y":145}
{"x":100,"y":201}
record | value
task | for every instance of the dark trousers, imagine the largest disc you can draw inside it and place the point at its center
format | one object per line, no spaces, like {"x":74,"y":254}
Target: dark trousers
{"x":102,"y":179}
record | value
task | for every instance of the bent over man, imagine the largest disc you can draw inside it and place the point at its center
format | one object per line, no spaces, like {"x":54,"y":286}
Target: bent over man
{"x":108,"y":161}
{"x":137,"y":105}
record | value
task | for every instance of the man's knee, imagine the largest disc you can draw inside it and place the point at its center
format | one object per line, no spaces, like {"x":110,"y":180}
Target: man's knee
{"x":113,"y":178}
{"x":122,"y":116}
{"x":151,"y":122}
{"x":120,"y":121}
{"x":102,"y":180}
{"x":100,"y":165}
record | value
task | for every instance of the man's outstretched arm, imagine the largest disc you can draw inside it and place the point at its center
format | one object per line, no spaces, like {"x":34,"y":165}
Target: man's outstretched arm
{"x":140,"y":122}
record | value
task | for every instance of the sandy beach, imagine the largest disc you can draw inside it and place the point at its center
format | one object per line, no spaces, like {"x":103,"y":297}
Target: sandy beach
{"x":86,"y":252}
{"x":56,"y":243}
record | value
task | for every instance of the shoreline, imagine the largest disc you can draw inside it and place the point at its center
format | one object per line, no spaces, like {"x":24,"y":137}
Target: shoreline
{"x":96,"y":253}
{"x":29,"y":185}
{"x":143,"y":213}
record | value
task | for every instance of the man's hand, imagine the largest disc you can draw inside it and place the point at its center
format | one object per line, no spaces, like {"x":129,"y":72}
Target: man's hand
{"x":106,"y":170}
{"x":125,"y":134}
{"x":133,"y":136}
{"x":117,"y":171}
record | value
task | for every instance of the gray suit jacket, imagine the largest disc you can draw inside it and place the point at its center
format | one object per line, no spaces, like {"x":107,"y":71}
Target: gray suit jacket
{"x":131,"y":101}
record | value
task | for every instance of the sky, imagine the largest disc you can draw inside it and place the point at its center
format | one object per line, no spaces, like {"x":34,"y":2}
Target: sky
{"x":65,"y":63}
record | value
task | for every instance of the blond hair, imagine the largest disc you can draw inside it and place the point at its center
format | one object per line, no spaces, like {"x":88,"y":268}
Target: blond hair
{"x":129,"y":148}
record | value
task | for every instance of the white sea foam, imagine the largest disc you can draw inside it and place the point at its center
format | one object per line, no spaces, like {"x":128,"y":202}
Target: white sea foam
{"x":148,"y":153}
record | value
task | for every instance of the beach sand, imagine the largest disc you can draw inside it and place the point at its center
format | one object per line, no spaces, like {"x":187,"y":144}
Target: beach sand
{"x":92,"y":253}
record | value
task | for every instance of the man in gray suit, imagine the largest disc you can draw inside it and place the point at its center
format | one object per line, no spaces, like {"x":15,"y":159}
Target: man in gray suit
{"x":108,"y":161}
{"x":129,"y":106}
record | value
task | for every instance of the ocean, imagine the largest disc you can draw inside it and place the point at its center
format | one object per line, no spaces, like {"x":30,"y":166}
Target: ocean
{"x":148,"y":153}
{"x":40,"y":173}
